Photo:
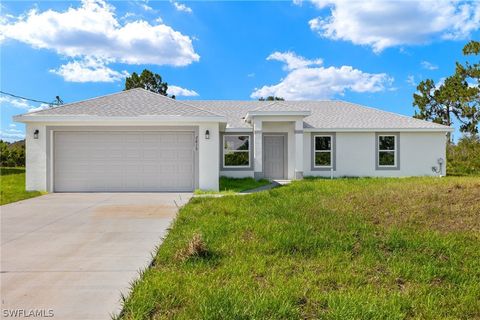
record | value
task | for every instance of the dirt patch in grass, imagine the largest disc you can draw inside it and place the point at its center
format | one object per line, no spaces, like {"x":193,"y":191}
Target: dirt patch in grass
{"x":195,"y":248}
{"x":435,"y":204}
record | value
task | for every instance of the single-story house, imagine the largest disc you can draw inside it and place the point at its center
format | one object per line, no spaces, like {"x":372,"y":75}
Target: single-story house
{"x":137,"y":140}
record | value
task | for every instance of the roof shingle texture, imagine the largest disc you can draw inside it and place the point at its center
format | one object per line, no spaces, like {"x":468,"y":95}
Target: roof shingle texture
{"x":328,"y":114}
{"x":129,"y":103}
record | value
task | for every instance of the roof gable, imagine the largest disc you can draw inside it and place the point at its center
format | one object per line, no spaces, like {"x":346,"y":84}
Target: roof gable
{"x":129,"y":103}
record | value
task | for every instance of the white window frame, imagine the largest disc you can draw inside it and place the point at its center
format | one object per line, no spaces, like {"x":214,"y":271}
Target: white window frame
{"x":395,"y":148}
{"x":323,"y":151}
{"x":224,"y":150}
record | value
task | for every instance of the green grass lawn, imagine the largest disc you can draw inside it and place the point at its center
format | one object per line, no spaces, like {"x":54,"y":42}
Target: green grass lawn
{"x":12,"y":186}
{"x":235,"y":185}
{"x":329,"y":249}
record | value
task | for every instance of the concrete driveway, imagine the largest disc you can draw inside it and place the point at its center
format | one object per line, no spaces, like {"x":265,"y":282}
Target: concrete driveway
{"x":72,"y":254}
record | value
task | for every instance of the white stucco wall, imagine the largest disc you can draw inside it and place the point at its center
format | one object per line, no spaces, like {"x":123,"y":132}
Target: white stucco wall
{"x":355,"y":154}
{"x":36,"y":152}
{"x":209,"y":156}
{"x":36,"y":158}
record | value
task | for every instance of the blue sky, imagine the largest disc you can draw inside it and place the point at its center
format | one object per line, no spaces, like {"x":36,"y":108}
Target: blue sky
{"x":371,"y":52}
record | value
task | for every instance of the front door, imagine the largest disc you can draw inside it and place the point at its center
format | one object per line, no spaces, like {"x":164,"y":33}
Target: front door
{"x":274,"y":162}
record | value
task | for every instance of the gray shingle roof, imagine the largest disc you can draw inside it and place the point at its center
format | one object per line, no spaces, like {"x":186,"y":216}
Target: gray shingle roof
{"x":278,"y":106}
{"x":330,"y":114}
{"x":129,"y":103}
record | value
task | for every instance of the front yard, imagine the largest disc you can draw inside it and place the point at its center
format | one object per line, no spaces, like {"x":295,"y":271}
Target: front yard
{"x":330,"y":249}
{"x":12,"y":186}
{"x":232,"y":185}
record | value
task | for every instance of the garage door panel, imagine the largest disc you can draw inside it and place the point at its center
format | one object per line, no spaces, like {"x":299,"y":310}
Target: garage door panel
{"x":124,"y":161}
{"x":151,"y":154}
{"x":184,"y":154}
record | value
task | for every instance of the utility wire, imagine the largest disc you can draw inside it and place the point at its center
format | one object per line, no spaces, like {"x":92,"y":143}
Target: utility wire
{"x":57,"y":101}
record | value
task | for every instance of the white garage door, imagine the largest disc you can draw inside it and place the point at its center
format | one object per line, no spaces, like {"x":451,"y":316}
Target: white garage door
{"x":124,"y":161}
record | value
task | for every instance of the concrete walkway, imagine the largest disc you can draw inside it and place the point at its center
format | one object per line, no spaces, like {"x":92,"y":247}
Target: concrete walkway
{"x":71,"y":255}
{"x":272,"y":185}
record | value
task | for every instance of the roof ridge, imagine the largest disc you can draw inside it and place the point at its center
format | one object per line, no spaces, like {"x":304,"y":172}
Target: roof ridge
{"x":264,"y":106}
{"x":180,"y":101}
{"x":123,"y":92}
{"x":390,"y":112}
{"x":70,"y":103}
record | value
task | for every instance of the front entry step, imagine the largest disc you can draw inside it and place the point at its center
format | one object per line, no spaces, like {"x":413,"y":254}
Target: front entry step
{"x":282,"y":182}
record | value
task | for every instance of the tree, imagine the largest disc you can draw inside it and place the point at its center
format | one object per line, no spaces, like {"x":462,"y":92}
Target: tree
{"x":271,"y":98}
{"x":464,"y":157}
{"x":457,"y":97}
{"x":147,"y":80}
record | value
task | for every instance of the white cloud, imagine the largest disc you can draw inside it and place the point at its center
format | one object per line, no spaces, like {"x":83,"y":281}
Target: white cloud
{"x":411,"y":80}
{"x":428,"y":65}
{"x":179,"y":91}
{"x":181,"y":7}
{"x":12,"y":125}
{"x":89,"y":70}
{"x":293,"y":61}
{"x":40,"y":107}
{"x":11,"y":136}
{"x":14,"y":102}
{"x":318,"y":82}
{"x":6,"y":101}
{"x":382,"y":23}
{"x":146,"y":7}
{"x":14,"y":130}
{"x":92,"y":30}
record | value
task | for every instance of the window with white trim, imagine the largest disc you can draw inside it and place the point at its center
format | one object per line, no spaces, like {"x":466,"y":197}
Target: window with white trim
{"x":236,"y":151}
{"x":387,"y":150}
{"x":323,"y":157}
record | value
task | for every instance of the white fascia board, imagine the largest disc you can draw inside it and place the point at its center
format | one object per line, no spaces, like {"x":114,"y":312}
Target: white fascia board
{"x":251,"y":114}
{"x":239,"y":129}
{"x":140,"y":120}
{"x":446,"y":129}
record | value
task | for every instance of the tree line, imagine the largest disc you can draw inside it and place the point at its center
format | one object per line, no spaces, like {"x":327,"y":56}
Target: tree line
{"x":12,"y":154}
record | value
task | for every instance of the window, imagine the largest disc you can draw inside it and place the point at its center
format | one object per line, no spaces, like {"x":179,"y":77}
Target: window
{"x":387,"y":150}
{"x":236,"y":151}
{"x":323,"y":151}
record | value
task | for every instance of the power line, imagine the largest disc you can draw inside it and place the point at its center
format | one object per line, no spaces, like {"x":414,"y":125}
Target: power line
{"x":57,"y":101}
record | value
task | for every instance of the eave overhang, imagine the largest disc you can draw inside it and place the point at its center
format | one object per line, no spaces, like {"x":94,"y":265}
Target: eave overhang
{"x":26,"y":118}
{"x":251,"y":114}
